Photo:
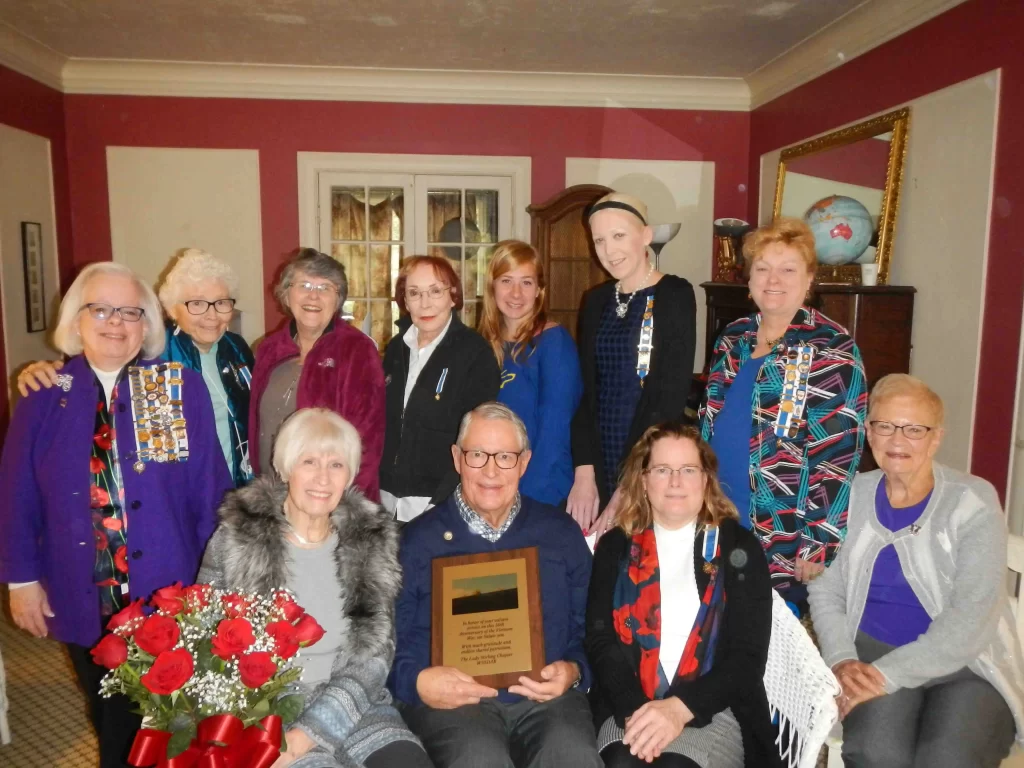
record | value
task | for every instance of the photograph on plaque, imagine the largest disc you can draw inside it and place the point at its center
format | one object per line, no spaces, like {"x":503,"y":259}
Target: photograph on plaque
{"x":486,"y":618}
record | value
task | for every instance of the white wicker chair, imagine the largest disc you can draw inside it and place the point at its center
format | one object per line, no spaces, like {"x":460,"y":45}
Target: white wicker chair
{"x":801,"y":689}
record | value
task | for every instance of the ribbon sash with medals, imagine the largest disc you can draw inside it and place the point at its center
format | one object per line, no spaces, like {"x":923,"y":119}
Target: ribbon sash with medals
{"x":646,"y":345}
{"x":796,"y":372}
{"x":157,"y":411}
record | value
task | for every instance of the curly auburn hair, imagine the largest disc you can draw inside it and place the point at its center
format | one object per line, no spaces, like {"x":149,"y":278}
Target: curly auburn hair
{"x":635,"y":513}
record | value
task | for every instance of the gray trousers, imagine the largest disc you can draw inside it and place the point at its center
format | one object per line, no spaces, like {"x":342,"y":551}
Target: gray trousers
{"x":955,"y":721}
{"x":527,"y":734}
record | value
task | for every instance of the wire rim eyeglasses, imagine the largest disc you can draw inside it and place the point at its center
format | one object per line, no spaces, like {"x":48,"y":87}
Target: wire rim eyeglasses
{"x":100,"y":311}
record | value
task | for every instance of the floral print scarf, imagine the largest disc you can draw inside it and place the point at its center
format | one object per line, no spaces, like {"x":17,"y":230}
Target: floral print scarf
{"x":636,"y":611}
{"x":109,"y":521}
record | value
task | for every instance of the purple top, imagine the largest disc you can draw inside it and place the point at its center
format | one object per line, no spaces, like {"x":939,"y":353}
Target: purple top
{"x":892,"y":613}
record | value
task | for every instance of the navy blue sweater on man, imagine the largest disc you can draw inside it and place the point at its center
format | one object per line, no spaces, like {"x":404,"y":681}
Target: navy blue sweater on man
{"x":564,"y":561}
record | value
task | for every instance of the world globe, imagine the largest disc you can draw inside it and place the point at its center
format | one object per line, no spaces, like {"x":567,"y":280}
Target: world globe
{"x":842,"y":229}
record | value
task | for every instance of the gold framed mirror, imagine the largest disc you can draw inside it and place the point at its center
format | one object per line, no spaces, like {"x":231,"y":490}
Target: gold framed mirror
{"x":846,"y":185}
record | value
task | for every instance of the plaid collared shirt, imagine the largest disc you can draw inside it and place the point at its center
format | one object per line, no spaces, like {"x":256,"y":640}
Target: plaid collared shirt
{"x":478,"y":525}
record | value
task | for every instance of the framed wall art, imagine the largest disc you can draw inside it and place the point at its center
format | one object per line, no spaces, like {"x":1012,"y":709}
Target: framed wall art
{"x":32,"y":258}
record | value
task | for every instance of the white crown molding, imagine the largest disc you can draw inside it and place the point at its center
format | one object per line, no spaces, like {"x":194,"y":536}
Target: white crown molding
{"x":157,"y":78}
{"x":865,"y":27}
{"x":30,"y":57}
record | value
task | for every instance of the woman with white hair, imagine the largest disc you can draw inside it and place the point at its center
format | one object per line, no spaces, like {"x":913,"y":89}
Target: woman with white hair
{"x":305,"y":527}
{"x":198,"y":294}
{"x":109,"y":481}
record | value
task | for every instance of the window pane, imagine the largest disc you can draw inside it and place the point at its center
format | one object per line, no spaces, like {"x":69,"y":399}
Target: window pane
{"x":444,"y":215}
{"x":384,"y":262}
{"x":387,"y":210}
{"x":348,"y":213}
{"x":478,"y":260}
{"x":353,"y":259}
{"x":482,"y":214}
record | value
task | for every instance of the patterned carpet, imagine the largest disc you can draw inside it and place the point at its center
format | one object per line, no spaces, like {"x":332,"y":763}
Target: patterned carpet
{"x":49,"y":725}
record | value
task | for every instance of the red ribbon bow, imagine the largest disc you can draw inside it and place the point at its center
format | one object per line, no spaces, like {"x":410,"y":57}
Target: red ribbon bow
{"x":221,"y":742}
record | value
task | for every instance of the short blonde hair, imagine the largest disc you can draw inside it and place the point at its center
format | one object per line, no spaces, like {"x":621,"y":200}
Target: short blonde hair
{"x":904,"y":385}
{"x":638,"y":205}
{"x":70,"y":343}
{"x":318,"y":431}
{"x":190,"y":266}
{"x":783,"y":231}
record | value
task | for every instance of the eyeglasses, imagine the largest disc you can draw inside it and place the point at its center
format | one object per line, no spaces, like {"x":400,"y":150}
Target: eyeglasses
{"x":105,"y":312}
{"x":435,"y":292}
{"x":479,"y":459}
{"x":664,"y":472}
{"x":200,"y":306}
{"x":911,"y":431}
{"x":308,"y":287}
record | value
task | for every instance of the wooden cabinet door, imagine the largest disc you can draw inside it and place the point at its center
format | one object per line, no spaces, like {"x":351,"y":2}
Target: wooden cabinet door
{"x":561,"y":235}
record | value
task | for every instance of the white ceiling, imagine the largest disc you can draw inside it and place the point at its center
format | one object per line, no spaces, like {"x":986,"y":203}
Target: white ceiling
{"x":704,"y":38}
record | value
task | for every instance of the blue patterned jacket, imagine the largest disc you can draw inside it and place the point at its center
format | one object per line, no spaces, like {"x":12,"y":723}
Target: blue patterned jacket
{"x":804,"y":448}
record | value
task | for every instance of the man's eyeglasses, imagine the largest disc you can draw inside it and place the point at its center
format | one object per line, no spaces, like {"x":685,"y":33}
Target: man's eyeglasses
{"x":200,"y":306}
{"x":105,"y":312}
{"x":911,"y":431}
{"x":434,"y":292}
{"x":308,"y":287}
{"x":664,"y":472}
{"x":479,"y":459}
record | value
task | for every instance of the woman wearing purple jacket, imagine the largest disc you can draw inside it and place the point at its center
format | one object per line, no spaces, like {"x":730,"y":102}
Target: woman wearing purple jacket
{"x":109,"y":481}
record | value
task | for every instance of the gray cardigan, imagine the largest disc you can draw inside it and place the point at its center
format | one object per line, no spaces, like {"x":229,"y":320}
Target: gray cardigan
{"x":955,"y":561}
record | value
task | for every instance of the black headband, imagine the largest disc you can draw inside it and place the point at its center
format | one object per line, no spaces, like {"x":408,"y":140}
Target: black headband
{"x":615,"y":204}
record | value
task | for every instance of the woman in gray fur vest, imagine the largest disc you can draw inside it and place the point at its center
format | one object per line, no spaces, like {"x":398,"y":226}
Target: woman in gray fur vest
{"x":913,"y":616}
{"x":337,"y":552}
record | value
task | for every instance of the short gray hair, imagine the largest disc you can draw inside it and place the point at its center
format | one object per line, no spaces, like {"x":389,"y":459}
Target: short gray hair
{"x":905,"y":385}
{"x":493,"y":411}
{"x":314,"y":264}
{"x":190,"y":266}
{"x":70,"y":343}
{"x":318,"y":431}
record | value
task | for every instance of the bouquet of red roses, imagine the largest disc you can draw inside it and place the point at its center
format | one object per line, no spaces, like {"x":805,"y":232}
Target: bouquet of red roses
{"x":213,"y":673}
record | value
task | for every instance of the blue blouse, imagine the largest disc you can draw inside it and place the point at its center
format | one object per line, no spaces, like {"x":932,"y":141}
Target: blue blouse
{"x":543,"y":388}
{"x":731,"y":440}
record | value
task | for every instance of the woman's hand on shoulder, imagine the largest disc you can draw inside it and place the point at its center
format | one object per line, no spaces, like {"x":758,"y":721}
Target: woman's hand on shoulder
{"x":38,"y":375}
{"x":583,"y":501}
{"x":654,"y":726}
{"x":805,"y":571}
{"x":608,"y":518}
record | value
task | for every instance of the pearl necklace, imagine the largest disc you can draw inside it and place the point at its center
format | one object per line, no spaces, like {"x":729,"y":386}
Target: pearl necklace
{"x":621,"y":307}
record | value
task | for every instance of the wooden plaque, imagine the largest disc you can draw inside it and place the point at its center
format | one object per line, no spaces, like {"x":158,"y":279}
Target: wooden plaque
{"x":486,"y":617}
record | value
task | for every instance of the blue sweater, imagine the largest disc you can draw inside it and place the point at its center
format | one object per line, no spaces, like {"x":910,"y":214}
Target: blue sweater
{"x":544,"y":388}
{"x":564,"y":561}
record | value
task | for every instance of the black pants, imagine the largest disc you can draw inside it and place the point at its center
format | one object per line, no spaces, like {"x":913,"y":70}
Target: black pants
{"x":616,"y":755}
{"x":405,"y":754}
{"x":112,"y":718}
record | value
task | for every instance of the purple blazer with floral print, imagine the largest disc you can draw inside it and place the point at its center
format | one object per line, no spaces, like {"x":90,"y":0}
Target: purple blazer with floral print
{"x":44,"y":498}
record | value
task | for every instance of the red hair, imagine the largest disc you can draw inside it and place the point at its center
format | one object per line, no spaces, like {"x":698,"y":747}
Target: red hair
{"x":443,"y":270}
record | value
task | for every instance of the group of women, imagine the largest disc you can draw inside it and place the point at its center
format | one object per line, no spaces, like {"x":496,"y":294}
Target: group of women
{"x":913,"y":617}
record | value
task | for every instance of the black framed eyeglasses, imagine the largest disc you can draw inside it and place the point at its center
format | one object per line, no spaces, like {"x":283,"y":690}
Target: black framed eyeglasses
{"x":910,"y":431}
{"x":502,"y":459}
{"x":200,"y":306}
{"x":99,"y":311}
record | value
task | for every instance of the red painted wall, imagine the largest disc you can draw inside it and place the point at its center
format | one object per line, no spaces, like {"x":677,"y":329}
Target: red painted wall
{"x":968,"y":40}
{"x":280,"y":129}
{"x":30,"y":106}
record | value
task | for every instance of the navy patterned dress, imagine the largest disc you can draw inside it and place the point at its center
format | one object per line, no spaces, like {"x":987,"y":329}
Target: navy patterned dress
{"x":618,"y":386}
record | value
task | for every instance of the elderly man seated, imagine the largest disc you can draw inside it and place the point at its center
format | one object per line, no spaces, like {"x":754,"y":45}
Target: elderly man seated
{"x":461,"y":722}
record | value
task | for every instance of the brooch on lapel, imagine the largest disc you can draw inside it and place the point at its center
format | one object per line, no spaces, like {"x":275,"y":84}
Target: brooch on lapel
{"x":326,"y":363}
{"x":64,"y":381}
{"x":158,"y":415}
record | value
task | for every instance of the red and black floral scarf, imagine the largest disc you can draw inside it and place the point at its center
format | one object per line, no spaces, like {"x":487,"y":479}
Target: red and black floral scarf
{"x":109,"y":521}
{"x":636,"y":610}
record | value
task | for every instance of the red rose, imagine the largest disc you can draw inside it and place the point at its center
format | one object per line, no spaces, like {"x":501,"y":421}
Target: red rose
{"x":157,"y":634}
{"x":307,"y":631}
{"x":256,"y":668}
{"x":235,"y":606}
{"x":234,"y":636}
{"x":291,"y":609}
{"x":285,"y":644}
{"x":96,"y":465}
{"x":126,"y":615}
{"x":197,"y":595}
{"x":121,"y":559}
{"x":169,"y":599}
{"x":111,"y":652}
{"x":170,"y":671}
{"x":98,"y":497}
{"x":104,"y":437}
